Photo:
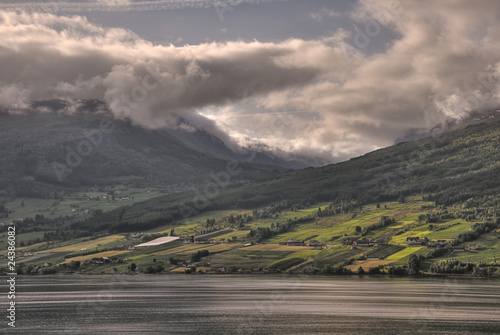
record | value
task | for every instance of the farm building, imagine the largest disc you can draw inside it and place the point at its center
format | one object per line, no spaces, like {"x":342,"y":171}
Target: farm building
{"x":315,"y":243}
{"x":349,"y":240}
{"x":364,"y":242}
{"x":413,"y":240}
{"x":295,"y":243}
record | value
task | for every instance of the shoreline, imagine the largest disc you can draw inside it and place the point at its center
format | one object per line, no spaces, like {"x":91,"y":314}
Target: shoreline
{"x":273,"y":274}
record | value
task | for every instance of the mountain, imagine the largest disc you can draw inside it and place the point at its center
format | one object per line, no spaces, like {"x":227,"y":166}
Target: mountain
{"x":415,"y":134}
{"x":45,"y":151}
{"x":203,"y":141}
{"x":430,"y":206}
{"x":447,"y":168}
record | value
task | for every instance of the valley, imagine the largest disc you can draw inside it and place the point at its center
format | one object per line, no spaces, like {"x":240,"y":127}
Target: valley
{"x":429,"y":206}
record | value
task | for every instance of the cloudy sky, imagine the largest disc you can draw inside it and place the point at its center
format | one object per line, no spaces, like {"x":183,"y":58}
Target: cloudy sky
{"x":330,"y":78}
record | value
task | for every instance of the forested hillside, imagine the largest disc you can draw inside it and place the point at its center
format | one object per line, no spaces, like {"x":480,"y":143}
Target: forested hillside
{"x":446,"y":168}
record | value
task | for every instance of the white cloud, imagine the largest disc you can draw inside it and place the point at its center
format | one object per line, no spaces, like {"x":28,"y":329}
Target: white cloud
{"x":14,"y":97}
{"x":338,"y":101}
{"x":68,"y":57}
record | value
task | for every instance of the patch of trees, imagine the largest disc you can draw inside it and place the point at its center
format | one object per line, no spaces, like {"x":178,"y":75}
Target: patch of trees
{"x":384,"y":222}
{"x":341,"y":207}
{"x":154,"y":269}
{"x":483,"y":270}
{"x":273,"y":209}
{"x":414,"y":264}
{"x":237,"y":220}
{"x":477,"y":230}
{"x":262,"y":233}
{"x":397,"y":271}
{"x":438,"y":252}
{"x":336,"y":270}
{"x":58,"y":235}
{"x":375,"y":271}
{"x":4,"y":211}
{"x":452,"y":266}
{"x":196,"y":257}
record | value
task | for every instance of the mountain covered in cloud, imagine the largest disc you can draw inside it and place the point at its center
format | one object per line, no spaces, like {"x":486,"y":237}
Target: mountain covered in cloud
{"x":90,"y":147}
{"x":442,"y":64}
{"x":415,"y":134}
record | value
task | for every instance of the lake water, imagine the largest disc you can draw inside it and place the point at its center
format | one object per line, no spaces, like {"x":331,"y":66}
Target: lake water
{"x":187,"y":304}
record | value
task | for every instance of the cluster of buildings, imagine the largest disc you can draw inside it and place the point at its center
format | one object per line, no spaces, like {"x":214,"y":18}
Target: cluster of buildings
{"x":415,"y":241}
{"x":357,"y":242}
{"x":102,"y":260}
{"x":302,"y":243}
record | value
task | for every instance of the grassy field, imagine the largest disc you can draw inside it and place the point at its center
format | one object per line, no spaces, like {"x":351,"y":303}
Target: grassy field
{"x":384,"y":251}
{"x":247,"y":259}
{"x":20,"y":238}
{"x":488,"y":251}
{"x":452,"y":231}
{"x":270,"y":254}
{"x":112,"y":253}
{"x":193,"y":248}
{"x":75,"y":204}
{"x":295,"y":259}
{"x":87,"y":245}
{"x":276,"y":247}
{"x":404,"y":253}
{"x":366,"y":265}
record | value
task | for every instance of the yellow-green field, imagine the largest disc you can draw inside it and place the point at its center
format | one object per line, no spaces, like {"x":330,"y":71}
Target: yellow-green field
{"x":275,"y":247}
{"x":366,"y":265}
{"x":404,"y":253}
{"x":87,"y":244}
{"x":192,"y":248}
{"x":268,"y":253}
{"x":111,"y":253}
{"x":21,"y":208}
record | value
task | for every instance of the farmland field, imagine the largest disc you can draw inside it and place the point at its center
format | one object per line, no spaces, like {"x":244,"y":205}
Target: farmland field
{"x":366,"y":265}
{"x":97,"y":255}
{"x":268,"y":253}
{"x":88,"y":244}
{"x":191,"y":248}
{"x":404,"y":253}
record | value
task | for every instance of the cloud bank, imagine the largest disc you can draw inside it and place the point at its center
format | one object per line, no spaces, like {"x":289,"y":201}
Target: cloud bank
{"x":445,"y":64}
{"x":45,"y":56}
{"x":323,"y":97}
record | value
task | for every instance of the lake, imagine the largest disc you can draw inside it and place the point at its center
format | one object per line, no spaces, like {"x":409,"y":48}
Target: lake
{"x":201,"y":304}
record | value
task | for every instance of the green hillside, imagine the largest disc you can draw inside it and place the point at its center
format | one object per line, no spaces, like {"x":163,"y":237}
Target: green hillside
{"x":255,"y":242}
{"x":45,"y":155}
{"x":447,"y":168}
{"x":361,"y":214}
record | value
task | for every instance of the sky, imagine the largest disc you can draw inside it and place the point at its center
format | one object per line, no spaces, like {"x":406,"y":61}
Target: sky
{"x":332,"y":79}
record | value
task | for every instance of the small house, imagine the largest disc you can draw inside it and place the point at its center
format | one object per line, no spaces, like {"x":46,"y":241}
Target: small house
{"x":413,"y":240}
{"x":364,"y":242}
{"x":315,"y":243}
{"x":295,"y":243}
{"x":349,"y":240}
{"x":458,"y":248}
